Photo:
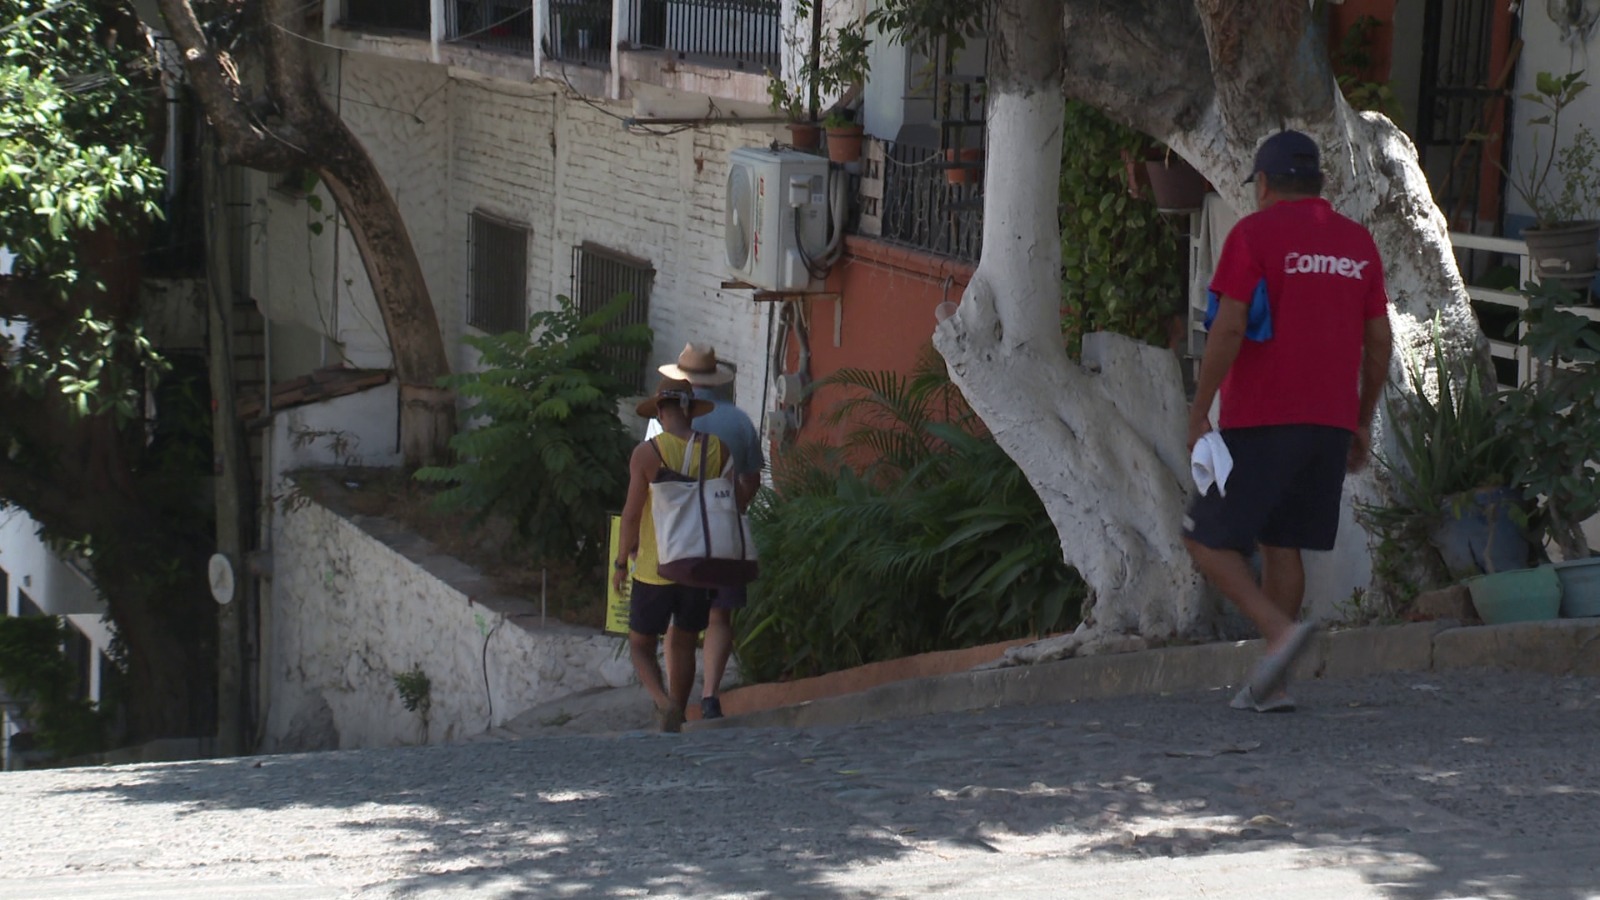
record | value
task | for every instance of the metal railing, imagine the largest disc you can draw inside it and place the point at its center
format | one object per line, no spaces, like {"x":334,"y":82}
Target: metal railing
{"x":579,"y":32}
{"x":927,"y":207}
{"x":490,"y":24}
{"x":737,"y":34}
{"x":389,"y":15}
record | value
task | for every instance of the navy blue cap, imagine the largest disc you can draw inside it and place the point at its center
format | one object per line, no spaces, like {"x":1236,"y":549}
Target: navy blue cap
{"x":1287,"y":153}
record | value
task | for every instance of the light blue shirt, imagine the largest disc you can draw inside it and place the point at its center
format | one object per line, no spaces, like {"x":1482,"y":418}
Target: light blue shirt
{"x":729,"y":423}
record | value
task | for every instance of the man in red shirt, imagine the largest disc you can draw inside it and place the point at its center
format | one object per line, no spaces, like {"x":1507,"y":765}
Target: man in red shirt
{"x":1299,"y":346}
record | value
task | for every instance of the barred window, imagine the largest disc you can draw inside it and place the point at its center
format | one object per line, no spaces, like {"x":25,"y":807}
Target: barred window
{"x":598,"y":275}
{"x":498,"y":292}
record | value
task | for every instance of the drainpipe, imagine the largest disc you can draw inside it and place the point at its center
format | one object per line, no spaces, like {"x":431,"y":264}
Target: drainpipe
{"x":540,"y":12}
{"x":815,"y":54}
{"x":435,"y":30}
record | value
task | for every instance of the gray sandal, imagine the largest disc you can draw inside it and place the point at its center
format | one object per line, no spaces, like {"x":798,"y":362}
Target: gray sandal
{"x":1273,"y":671}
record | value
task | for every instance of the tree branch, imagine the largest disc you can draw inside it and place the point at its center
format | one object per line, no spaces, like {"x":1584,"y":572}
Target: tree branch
{"x":1144,"y":62}
{"x":243,"y":139}
{"x":1270,"y":64}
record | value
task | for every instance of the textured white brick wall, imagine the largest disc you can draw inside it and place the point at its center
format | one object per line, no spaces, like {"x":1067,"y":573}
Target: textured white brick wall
{"x":530,"y":153}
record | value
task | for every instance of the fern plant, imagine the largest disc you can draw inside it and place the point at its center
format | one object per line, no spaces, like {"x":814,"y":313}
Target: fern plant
{"x":915,"y":533}
{"x":551,"y":455}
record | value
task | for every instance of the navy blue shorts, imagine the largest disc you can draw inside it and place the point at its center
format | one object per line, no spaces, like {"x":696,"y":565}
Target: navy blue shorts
{"x":1284,"y":490}
{"x":652,"y":607}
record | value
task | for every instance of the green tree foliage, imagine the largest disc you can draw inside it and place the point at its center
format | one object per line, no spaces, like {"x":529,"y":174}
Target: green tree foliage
{"x":35,"y":670}
{"x":551,"y":454}
{"x":1121,"y":265}
{"x":73,"y":161}
{"x":916,"y":533}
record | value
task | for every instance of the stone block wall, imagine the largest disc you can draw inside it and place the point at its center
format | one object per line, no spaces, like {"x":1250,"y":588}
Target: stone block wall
{"x":356,"y":600}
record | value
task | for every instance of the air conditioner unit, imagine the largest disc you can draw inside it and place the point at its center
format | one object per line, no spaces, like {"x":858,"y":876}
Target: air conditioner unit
{"x":777,"y":205}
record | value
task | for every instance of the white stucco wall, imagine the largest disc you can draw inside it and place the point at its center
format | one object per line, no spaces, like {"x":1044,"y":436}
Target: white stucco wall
{"x":356,"y":601}
{"x":58,"y":589}
{"x":353,"y":430}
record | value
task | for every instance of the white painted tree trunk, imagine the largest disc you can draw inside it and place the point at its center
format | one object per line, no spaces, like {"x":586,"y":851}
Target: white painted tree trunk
{"x":1104,"y":449}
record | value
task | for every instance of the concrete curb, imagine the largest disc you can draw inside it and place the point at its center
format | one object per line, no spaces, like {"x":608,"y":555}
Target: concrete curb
{"x":1562,"y":647}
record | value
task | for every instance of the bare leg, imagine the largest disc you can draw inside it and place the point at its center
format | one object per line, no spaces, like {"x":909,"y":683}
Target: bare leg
{"x":1283,"y":578}
{"x":642,"y":650}
{"x":680,"y":666}
{"x":1228,"y":570}
{"x":719,"y":645}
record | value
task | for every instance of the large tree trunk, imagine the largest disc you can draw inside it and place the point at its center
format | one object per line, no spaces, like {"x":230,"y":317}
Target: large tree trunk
{"x":303,"y":131}
{"x":1102,"y":441}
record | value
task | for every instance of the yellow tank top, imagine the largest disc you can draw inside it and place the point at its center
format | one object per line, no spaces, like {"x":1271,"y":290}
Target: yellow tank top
{"x":672,"y":449}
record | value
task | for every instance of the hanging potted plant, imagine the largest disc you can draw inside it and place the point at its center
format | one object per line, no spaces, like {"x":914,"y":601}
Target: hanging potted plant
{"x":803,"y":134}
{"x":1559,"y":184}
{"x":832,"y":71}
{"x":845,"y":136}
{"x":1174,"y":183}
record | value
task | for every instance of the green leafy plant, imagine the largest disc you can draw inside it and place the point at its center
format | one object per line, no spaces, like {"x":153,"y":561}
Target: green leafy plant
{"x":1451,"y":441}
{"x":840,"y":61}
{"x":35,"y":670}
{"x":416,"y":695}
{"x":1556,"y":417}
{"x":1122,"y":269}
{"x":926,"y":24}
{"x":1559,"y":183}
{"x":915,"y":533}
{"x":551,"y":454}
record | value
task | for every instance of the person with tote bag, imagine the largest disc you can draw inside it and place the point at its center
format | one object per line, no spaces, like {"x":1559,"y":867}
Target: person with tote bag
{"x":657,"y":605}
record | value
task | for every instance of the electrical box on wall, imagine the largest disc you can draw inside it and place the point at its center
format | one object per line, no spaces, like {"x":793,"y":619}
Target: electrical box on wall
{"x":776,"y":216}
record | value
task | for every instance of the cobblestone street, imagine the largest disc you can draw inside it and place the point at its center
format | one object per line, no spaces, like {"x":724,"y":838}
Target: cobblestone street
{"x":1475,"y":784}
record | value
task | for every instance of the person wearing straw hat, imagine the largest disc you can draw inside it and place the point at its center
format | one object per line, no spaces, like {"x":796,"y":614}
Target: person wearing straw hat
{"x":698,"y":365}
{"x":658,"y":606}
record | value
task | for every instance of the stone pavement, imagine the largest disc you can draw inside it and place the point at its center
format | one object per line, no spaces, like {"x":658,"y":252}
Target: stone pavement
{"x":1459,"y":783}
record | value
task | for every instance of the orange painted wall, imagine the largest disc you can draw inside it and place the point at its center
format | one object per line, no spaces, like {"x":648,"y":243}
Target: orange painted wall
{"x":888,"y":296}
{"x":1342,"y":16}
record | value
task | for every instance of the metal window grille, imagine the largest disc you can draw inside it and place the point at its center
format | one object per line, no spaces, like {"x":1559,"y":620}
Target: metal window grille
{"x":498,"y":300}
{"x":579,"y":32}
{"x":740,"y":34}
{"x":490,"y":24}
{"x":598,"y":275}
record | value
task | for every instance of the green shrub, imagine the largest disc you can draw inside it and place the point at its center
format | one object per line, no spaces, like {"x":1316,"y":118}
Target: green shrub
{"x":35,"y":670}
{"x":932,"y":540}
{"x":1122,"y":267}
{"x":551,"y":455}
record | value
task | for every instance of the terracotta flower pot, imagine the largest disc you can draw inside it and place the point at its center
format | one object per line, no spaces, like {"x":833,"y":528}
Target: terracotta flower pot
{"x":1174,"y":183}
{"x":967,"y":174}
{"x":844,"y":143}
{"x":805,"y":135}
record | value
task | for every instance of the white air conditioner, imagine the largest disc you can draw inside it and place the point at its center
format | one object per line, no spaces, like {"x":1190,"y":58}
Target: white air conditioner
{"x":775,"y":197}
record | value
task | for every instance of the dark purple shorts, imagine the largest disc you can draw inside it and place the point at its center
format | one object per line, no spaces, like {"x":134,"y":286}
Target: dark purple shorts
{"x":652,"y":607}
{"x":730,"y":597}
{"x":1284,"y":491}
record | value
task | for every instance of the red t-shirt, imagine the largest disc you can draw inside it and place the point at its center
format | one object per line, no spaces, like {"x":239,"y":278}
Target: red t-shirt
{"x":1323,"y":280}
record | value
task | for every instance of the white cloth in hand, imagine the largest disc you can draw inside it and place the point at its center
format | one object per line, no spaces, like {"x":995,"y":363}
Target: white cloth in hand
{"x":1210,"y":463}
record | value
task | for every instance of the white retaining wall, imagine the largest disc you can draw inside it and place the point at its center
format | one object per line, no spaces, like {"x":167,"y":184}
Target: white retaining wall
{"x":356,"y":601}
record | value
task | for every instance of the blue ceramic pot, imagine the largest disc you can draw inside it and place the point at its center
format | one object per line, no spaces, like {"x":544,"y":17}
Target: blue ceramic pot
{"x":1523,"y":595}
{"x":1580,"y":587}
{"x":1479,"y":535}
